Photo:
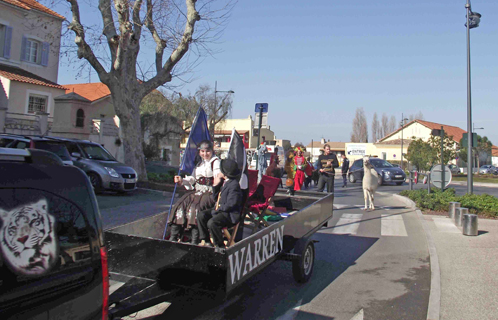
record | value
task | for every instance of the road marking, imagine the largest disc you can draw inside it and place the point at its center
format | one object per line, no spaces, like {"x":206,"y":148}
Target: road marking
{"x":291,"y":313}
{"x":393,"y":225}
{"x":347,"y":224}
{"x":446,"y":225}
{"x":358,"y":316}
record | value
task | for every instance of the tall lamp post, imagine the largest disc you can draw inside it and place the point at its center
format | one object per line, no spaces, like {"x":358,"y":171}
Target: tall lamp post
{"x":216,"y":101}
{"x":402,"y":127}
{"x":473,"y":19}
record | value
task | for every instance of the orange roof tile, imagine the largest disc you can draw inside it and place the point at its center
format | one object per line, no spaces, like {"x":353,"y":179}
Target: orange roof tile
{"x":32,"y":4}
{"x":91,"y":91}
{"x":451,"y":131}
{"x":494,"y":151}
{"x":21,"y":75}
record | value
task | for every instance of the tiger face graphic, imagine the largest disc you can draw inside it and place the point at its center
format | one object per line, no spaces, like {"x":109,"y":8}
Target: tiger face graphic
{"x":27,"y":238}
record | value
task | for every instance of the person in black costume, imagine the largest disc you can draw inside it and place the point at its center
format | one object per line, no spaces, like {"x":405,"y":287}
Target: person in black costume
{"x":230,"y":204}
{"x":326,"y":167}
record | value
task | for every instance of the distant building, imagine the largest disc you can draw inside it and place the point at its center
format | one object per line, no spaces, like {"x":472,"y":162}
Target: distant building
{"x":315,"y":148}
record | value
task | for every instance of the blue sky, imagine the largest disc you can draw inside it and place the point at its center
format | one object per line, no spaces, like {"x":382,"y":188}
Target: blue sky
{"x":315,"y":62}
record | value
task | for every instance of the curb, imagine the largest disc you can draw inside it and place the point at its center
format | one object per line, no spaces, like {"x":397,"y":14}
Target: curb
{"x":434,"y":306}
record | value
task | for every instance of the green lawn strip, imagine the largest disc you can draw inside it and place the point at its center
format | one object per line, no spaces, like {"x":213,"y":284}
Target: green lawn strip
{"x":485,"y":178}
{"x":483,"y":204}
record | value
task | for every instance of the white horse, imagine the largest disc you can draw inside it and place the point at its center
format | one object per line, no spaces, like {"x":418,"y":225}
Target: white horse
{"x":370,"y":183}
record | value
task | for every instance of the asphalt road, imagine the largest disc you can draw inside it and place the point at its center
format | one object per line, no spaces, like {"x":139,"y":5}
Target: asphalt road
{"x":369,"y":264}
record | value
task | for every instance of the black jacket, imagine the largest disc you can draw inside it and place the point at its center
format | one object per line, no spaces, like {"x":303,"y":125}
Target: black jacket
{"x":230,"y":200}
{"x":345,"y":165}
{"x":322,"y":163}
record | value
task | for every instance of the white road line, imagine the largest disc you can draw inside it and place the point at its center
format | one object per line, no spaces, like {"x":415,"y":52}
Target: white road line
{"x":393,"y":225}
{"x":291,"y":313}
{"x":347,"y":224}
{"x":358,"y":316}
{"x":446,"y":225}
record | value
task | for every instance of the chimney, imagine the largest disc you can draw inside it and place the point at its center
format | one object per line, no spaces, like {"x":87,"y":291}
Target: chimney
{"x":322,"y":141}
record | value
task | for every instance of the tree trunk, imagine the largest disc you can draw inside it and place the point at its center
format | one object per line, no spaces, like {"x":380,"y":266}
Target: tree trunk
{"x":127,"y":107}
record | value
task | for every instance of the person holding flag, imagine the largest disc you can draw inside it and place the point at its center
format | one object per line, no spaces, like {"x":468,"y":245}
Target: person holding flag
{"x":200,"y":185}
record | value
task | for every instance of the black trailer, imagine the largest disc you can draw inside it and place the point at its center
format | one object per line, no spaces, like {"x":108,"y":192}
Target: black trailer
{"x":156,"y":270}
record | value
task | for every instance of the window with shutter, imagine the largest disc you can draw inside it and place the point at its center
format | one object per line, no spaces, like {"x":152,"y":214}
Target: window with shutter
{"x":7,"y":42}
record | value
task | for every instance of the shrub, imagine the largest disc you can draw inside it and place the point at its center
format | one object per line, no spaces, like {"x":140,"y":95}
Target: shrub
{"x":439,"y":201}
{"x":161,"y":177}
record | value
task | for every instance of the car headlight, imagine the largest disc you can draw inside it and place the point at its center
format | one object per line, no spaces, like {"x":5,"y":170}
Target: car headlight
{"x":387,"y":173}
{"x":112,"y":172}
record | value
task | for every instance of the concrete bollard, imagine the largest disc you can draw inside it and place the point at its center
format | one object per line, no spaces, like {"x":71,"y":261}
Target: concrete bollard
{"x":470,"y":227}
{"x":459,"y":212}
{"x":451,"y":210}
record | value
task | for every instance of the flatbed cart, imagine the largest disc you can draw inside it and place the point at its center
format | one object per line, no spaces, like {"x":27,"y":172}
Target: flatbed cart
{"x":155,"y":270}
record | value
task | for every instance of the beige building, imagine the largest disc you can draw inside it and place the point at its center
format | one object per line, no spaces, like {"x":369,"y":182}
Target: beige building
{"x":244,"y":127}
{"x":86,"y":112}
{"x":29,"y":64}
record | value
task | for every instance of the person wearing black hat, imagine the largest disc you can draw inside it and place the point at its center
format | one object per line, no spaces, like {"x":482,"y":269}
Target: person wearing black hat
{"x":227,"y":212}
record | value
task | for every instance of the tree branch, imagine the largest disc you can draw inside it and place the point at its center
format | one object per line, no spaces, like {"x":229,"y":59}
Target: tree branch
{"x":160,"y":43}
{"x":109,"y":29}
{"x":164,"y":75}
{"x":84,"y":50}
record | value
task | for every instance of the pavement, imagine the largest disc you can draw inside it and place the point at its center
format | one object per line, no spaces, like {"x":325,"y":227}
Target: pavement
{"x":463,"y":268}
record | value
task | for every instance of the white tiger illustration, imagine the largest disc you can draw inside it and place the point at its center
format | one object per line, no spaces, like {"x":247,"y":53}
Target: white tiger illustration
{"x":27,"y":238}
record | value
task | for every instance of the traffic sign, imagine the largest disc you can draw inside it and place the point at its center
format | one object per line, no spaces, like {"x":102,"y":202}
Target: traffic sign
{"x":436,"y":176}
{"x":261,"y":107}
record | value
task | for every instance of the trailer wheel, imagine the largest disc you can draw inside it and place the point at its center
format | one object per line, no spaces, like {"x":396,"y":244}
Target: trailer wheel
{"x":303,"y":267}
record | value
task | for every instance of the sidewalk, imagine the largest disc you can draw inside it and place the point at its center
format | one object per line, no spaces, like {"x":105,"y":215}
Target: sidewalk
{"x":468,"y":269}
{"x":476,"y":184}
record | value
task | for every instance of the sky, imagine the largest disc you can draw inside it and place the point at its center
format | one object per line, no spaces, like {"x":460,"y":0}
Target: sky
{"x":316,"y":61}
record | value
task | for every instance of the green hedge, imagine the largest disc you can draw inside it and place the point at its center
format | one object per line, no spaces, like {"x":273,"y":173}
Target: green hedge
{"x":482,"y":204}
{"x":161,"y":177}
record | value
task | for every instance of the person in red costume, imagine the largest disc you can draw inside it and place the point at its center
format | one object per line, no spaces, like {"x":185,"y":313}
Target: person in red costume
{"x":300,"y":165}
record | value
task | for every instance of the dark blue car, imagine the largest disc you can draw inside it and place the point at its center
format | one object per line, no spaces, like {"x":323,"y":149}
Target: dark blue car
{"x":387,"y":172}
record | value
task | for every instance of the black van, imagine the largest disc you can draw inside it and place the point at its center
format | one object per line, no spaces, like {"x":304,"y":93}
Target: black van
{"x":53,"y":263}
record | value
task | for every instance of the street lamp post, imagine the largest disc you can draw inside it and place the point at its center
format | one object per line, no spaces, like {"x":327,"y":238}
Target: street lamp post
{"x":215,"y":100}
{"x":473,"y":19}
{"x":402,"y":127}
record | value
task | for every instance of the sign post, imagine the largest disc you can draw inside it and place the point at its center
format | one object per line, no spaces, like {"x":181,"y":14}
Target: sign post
{"x":440,"y":176}
{"x":260,"y":107}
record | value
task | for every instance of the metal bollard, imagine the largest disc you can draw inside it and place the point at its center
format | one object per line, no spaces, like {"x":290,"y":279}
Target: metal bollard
{"x":411,"y":180}
{"x":470,"y":227}
{"x":459,"y":213}
{"x":451,"y":210}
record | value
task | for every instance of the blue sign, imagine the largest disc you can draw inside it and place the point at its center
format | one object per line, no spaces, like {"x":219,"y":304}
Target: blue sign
{"x":261,"y":107}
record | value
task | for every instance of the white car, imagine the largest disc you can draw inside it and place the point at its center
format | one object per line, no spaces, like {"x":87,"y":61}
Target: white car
{"x":487,"y":168}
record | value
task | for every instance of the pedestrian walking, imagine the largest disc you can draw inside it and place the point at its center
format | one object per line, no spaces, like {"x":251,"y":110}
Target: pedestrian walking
{"x":345,"y":169}
{"x":289,"y":169}
{"x":326,"y":166}
{"x":300,"y":167}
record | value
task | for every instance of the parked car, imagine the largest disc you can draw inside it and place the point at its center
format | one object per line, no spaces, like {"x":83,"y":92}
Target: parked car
{"x":37,"y":142}
{"x":104,"y":171}
{"x":53,"y":263}
{"x":454,"y":169}
{"x":487,"y":168}
{"x":386,"y":171}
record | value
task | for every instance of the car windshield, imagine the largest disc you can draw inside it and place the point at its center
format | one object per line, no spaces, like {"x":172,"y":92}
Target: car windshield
{"x":55,"y":147}
{"x":379,"y":163}
{"x":96,"y":152}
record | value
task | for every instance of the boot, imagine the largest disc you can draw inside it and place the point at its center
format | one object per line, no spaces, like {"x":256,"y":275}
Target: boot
{"x":175,"y":232}
{"x":194,"y":234}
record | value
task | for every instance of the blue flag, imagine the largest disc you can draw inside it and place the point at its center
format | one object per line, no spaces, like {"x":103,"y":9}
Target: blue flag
{"x":198,"y":132}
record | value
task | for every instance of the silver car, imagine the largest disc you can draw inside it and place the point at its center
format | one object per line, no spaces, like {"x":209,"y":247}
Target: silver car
{"x":487,"y":168}
{"x":103,"y":170}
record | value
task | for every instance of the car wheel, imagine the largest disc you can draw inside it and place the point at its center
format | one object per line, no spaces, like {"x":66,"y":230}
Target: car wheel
{"x":352,"y":178}
{"x":95,"y":181}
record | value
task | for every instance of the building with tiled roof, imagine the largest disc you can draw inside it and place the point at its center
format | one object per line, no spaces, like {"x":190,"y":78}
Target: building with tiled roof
{"x":423,"y":129}
{"x":92,"y":91}
{"x":29,"y":65}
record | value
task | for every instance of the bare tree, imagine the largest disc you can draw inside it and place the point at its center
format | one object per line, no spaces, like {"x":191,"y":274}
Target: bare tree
{"x":172,"y":26}
{"x":360,"y":127}
{"x":417,"y":116}
{"x":392,"y":124}
{"x":376,"y":129}
{"x":385,"y":125}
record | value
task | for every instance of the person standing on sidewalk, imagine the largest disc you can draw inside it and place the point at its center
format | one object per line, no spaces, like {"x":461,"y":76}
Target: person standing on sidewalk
{"x":326,"y":166}
{"x":344,"y":169}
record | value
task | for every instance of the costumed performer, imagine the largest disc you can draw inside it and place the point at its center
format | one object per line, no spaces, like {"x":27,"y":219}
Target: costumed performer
{"x":289,"y":169}
{"x":300,"y":167}
{"x":200,"y":186}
